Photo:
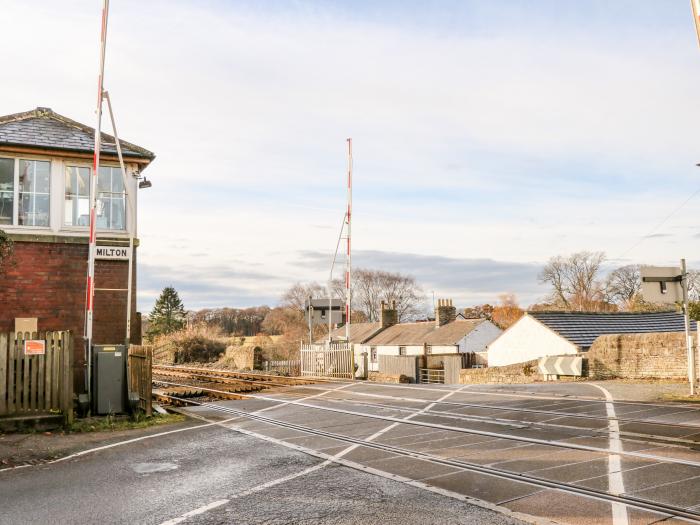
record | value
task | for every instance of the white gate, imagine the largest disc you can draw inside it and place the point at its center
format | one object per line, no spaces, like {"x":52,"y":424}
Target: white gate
{"x":323,"y":360}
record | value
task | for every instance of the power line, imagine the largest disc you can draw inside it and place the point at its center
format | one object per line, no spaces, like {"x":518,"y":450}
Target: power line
{"x":659,"y":225}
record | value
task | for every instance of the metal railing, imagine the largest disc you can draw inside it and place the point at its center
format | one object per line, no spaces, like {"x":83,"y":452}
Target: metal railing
{"x":432,"y":375}
{"x":334,"y":360}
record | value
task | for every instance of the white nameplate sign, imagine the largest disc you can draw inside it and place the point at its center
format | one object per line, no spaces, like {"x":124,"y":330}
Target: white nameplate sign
{"x":113,"y":253}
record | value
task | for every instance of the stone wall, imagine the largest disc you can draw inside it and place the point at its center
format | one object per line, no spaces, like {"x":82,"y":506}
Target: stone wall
{"x":240,"y":357}
{"x":517,"y":373}
{"x":638,"y":356}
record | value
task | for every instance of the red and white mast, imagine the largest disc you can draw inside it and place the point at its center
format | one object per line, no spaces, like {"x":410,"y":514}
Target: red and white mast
{"x":348,"y":259}
{"x":90,"y":286}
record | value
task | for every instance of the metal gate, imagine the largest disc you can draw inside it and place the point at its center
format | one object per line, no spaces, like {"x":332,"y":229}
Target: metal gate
{"x":334,"y":360}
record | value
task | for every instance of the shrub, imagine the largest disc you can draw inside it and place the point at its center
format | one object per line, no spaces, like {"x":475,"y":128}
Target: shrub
{"x":198,"y":348}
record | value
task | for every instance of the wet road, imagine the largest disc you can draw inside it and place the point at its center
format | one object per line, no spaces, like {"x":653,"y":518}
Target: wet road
{"x":343,"y":453}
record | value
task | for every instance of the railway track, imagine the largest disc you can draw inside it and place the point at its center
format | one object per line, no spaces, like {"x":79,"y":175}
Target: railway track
{"x":208,"y":377}
{"x":666,"y":510}
{"x":465,"y":430}
{"x":220,"y":384}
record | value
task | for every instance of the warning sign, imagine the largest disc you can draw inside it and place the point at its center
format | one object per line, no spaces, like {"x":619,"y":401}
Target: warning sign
{"x":34,"y":347}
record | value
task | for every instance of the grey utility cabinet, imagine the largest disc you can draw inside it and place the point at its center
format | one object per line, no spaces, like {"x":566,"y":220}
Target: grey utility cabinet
{"x":109,"y":379}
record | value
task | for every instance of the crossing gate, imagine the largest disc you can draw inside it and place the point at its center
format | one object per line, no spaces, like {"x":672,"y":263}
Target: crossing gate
{"x":334,"y":360}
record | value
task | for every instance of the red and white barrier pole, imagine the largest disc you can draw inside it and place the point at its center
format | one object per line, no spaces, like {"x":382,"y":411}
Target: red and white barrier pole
{"x":348,"y":263}
{"x":90,"y":285}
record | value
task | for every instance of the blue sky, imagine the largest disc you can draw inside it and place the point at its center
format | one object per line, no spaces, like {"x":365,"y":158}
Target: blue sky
{"x":488,"y":136}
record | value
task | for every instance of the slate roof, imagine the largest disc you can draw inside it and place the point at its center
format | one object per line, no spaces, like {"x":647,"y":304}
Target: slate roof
{"x":43,"y":128}
{"x":582,"y":328}
{"x":359,"y":332}
{"x":404,"y":334}
{"x":452,"y":333}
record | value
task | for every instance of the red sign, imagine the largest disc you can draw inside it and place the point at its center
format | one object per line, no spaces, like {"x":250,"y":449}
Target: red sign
{"x":34,"y":347}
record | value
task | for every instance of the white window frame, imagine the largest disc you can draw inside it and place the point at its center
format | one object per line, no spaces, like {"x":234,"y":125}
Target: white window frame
{"x":66,"y":227}
{"x":16,"y":192}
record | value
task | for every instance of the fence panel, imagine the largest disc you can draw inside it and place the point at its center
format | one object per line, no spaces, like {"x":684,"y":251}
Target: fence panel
{"x":139,"y":366}
{"x":35,"y":383}
{"x":323,"y":360}
{"x":401,"y":365}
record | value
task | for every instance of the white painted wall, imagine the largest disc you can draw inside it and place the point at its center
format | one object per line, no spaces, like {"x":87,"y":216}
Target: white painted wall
{"x":478,"y":339}
{"x":527,"y":339}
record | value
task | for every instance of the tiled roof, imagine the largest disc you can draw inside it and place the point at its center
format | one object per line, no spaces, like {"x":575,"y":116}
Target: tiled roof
{"x":582,"y":328}
{"x":404,"y":334}
{"x":452,"y":333}
{"x":43,"y":128}
{"x":359,"y":332}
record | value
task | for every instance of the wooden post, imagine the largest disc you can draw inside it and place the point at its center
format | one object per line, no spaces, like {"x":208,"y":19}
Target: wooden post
{"x":4,"y":351}
{"x":67,"y":376}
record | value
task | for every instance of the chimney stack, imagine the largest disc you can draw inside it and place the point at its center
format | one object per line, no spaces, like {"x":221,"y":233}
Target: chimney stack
{"x":389,"y":315}
{"x":445,"y":312}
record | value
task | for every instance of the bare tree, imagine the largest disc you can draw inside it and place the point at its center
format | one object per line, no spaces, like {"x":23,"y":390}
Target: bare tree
{"x":297,"y":295}
{"x":371,"y":287}
{"x":575,"y":281}
{"x":623,"y":286}
{"x":694,"y":285}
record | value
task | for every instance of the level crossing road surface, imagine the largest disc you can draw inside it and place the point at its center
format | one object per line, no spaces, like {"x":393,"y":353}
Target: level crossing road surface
{"x":374,"y":453}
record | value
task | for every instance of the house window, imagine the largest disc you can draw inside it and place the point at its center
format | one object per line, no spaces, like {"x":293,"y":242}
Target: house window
{"x":77,"y":203}
{"x":402,"y":350}
{"x":373,"y":354}
{"x":111,"y":199}
{"x":7,"y":190}
{"x":34,"y":192}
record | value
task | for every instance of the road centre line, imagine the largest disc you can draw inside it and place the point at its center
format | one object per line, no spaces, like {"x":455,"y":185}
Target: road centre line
{"x":616,"y":483}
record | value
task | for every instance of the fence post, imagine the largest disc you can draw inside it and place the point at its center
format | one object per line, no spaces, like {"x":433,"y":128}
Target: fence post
{"x":67,"y":377}
{"x":4,"y":338}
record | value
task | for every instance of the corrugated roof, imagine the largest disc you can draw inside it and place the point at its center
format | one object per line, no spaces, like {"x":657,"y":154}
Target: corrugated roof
{"x":582,"y":328}
{"x":452,"y":333}
{"x":359,"y":332}
{"x":43,"y":128}
{"x":404,"y":334}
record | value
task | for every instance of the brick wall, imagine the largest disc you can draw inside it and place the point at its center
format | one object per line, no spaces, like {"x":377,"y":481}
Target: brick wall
{"x":517,"y":373}
{"x":47,"y":280}
{"x":636,"y":356}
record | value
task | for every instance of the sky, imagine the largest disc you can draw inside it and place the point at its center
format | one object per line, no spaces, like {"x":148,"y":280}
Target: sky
{"x":487,"y":136}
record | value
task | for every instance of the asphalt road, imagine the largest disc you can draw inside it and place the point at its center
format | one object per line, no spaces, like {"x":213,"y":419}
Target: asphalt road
{"x":349,"y":453}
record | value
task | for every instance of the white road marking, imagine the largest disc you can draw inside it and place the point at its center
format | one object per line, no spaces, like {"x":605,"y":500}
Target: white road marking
{"x":120,"y":443}
{"x":394,"y":477}
{"x":616,"y":484}
{"x":195,"y":512}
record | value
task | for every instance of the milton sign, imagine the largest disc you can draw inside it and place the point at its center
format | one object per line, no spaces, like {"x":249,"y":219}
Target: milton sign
{"x":112,"y":253}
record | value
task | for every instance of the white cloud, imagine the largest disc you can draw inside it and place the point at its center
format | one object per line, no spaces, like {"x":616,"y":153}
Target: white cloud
{"x":497,"y":144}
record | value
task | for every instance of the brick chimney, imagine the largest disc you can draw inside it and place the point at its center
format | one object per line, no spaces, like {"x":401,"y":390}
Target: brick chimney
{"x":445,"y":312}
{"x":389,"y":315}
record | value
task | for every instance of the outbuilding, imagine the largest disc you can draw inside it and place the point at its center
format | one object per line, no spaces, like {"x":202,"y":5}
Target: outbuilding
{"x":542,"y":334}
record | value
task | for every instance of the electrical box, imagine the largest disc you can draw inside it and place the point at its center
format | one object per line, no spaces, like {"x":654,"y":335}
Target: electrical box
{"x":109,"y":379}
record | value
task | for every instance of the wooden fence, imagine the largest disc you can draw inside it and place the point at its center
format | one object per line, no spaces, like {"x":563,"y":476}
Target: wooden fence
{"x":36,"y":374}
{"x":139,"y":365}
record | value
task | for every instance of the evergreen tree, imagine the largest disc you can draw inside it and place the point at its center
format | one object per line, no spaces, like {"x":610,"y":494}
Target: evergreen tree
{"x":168,"y":314}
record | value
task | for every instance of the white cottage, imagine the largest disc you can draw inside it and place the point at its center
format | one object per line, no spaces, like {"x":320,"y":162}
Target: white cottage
{"x":542,"y":334}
